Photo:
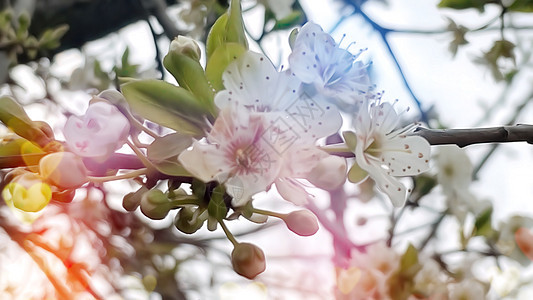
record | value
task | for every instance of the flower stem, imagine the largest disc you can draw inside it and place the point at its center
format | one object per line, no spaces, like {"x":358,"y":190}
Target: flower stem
{"x":230,"y":236}
{"x":128,"y":175}
{"x":269,"y":213}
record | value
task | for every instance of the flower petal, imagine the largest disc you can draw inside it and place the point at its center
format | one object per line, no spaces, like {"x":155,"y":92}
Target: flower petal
{"x":406,"y":155}
{"x":200,"y":164}
{"x":292,"y":191}
{"x":253,"y":82}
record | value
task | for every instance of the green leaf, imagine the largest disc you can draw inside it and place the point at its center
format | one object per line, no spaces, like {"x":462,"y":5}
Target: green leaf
{"x":167,"y":105}
{"x":401,"y":282}
{"x":168,"y":146}
{"x":229,"y":28}
{"x":171,"y":167}
{"x":190,"y":75}
{"x":294,"y":18}
{"x":356,"y":174}
{"x":50,"y":39}
{"x":216,"y":36}
{"x":483,"y":224}
{"x":220,"y":60}
{"x":464,"y":4}
{"x":521,"y":5}
{"x":217,"y":207}
{"x":23,"y":25}
{"x":409,"y":261}
{"x":235,"y":25}
{"x":15,"y":118}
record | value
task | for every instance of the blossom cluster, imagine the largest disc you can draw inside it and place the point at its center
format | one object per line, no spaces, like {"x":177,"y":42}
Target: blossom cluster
{"x":241,"y":127}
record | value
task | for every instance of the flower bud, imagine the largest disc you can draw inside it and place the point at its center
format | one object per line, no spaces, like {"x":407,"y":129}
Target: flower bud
{"x":63,"y":169}
{"x":27,"y":192}
{"x":301,"y":222}
{"x":183,"y":45}
{"x":329,"y":173}
{"x":248,"y":260}
{"x":187,"y":221}
{"x":155,"y":204}
{"x":102,"y":130}
{"x":524,"y":240}
{"x":131,"y":201}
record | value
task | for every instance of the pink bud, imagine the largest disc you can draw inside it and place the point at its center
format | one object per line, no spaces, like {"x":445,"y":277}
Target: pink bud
{"x":102,"y":130}
{"x":63,"y":169}
{"x":329,"y":173}
{"x":302,"y":222}
{"x":524,"y":240}
{"x":248,"y":260}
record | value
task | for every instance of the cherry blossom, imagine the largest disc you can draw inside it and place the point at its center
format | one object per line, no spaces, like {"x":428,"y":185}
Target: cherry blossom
{"x":327,"y":70}
{"x":252,"y":82}
{"x":367,"y":276}
{"x":235,"y":153}
{"x":102,"y":130}
{"x":267,"y":130}
{"x":385,"y":153}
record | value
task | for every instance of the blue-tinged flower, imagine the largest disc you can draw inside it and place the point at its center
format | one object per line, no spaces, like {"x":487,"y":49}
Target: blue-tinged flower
{"x":327,"y":70}
{"x":252,"y":82}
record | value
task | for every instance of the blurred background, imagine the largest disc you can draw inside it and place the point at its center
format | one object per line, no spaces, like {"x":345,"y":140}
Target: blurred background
{"x":448,"y":67}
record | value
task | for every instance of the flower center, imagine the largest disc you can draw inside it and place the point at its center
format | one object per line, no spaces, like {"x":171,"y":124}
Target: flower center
{"x":242,"y":159}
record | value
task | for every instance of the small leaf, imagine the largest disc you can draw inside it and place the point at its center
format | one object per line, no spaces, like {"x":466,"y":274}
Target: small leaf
{"x":171,"y":167}
{"x":167,"y":105}
{"x":217,"y":207}
{"x":220,"y":60}
{"x":293,"y":19}
{"x":235,"y":25}
{"x":464,"y":4}
{"x":168,"y":146}
{"x":401,"y":282}
{"x":216,"y":36}
{"x":521,"y":5}
{"x":483,"y":226}
{"x":190,"y":75}
{"x":15,"y":118}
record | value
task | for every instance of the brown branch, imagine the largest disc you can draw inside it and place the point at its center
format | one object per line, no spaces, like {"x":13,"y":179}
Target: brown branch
{"x":466,"y":137}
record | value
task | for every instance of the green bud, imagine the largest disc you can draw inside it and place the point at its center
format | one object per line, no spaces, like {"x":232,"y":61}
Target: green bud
{"x":155,"y":204}
{"x":131,"y":201}
{"x":188,"y":221}
{"x":182,"y":61}
{"x":248,"y":260}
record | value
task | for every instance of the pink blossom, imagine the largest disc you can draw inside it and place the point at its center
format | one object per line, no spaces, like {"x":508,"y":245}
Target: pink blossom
{"x":102,"y":130}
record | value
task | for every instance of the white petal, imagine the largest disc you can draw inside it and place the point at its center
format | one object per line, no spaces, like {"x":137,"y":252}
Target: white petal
{"x":304,"y":64}
{"x":313,"y":118}
{"x":384,"y":117}
{"x":253,"y":82}
{"x":292,"y":191}
{"x":329,"y":173}
{"x":406,"y":155}
{"x":202,"y":165}
{"x":300,"y":160}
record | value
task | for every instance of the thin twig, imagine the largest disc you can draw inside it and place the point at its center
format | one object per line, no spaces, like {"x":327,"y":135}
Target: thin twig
{"x":470,"y":136}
